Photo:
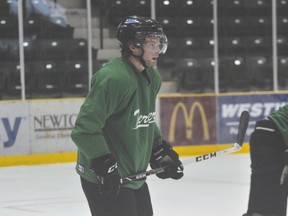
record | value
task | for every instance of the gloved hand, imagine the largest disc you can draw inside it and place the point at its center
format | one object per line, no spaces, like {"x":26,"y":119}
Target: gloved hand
{"x":165,"y":156}
{"x":105,"y":167}
{"x":284,"y":176}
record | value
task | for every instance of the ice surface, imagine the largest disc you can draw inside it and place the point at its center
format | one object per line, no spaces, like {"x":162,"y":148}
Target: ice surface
{"x":216,"y":187}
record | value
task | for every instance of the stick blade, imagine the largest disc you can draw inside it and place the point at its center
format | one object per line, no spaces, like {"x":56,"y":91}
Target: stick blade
{"x":243,"y":124}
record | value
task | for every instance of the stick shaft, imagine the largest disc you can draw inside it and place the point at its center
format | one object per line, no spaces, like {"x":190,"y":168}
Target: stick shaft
{"x":195,"y":159}
{"x":243,"y":124}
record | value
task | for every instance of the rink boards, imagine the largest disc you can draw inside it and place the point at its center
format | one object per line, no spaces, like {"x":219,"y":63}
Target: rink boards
{"x":38,"y":131}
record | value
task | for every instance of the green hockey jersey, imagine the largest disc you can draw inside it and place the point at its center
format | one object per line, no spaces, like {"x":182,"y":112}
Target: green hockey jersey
{"x":280,"y":117}
{"x":118,"y":117}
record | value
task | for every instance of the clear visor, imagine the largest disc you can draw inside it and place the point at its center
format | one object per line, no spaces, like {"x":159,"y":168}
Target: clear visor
{"x":153,"y":41}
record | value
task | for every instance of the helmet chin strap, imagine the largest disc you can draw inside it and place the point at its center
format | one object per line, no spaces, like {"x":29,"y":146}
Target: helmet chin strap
{"x":141,"y":58}
{"x":142,"y":61}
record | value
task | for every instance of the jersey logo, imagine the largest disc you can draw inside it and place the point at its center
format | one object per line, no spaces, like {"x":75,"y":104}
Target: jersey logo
{"x":112,"y":168}
{"x":81,"y":168}
{"x":144,"y":120}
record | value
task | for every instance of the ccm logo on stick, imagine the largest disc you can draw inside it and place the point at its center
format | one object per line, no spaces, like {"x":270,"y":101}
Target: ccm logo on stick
{"x":205,"y":156}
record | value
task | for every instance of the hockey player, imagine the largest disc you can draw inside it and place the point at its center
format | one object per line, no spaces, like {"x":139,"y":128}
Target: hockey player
{"x":269,"y":164}
{"x":116,"y":132}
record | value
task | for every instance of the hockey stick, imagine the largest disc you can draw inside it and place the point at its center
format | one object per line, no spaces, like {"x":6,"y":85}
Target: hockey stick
{"x":243,"y":124}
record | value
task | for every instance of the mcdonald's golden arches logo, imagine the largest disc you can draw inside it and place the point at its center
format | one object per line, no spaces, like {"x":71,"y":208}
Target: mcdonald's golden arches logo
{"x":188,"y":120}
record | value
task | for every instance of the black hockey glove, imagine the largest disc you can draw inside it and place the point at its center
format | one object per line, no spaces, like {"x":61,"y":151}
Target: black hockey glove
{"x":105,"y":167}
{"x":284,"y":176}
{"x":165,"y":156}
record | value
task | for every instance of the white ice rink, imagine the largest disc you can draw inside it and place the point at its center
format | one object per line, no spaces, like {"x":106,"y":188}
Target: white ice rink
{"x":216,"y":187}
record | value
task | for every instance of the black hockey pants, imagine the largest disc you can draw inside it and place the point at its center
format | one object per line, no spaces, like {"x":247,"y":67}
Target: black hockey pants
{"x":267,"y":148}
{"x":129,"y":202}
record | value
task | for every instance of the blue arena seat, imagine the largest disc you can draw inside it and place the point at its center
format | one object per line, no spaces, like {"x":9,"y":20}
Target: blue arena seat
{"x":231,"y":7}
{"x":232,"y":26}
{"x":141,"y":7}
{"x":282,"y":25}
{"x":261,"y":68}
{"x":258,"y":7}
{"x":8,"y":27}
{"x":282,"y":7}
{"x":77,"y":49}
{"x":282,"y":42}
{"x":259,"y":45}
{"x":118,"y":10}
{"x":195,"y":47}
{"x":209,"y":65}
{"x":51,"y":49}
{"x":260,"y":25}
{"x":12,"y":85}
{"x":5,"y":7}
{"x":33,"y":26}
{"x":195,"y":7}
{"x":48,"y":79}
{"x":239,"y":79}
{"x":196,"y":26}
{"x":232,"y":45}
{"x":76,"y":78}
{"x":9,"y":49}
{"x":3,"y":73}
{"x":283,"y":72}
{"x":56,"y":27}
{"x":187,"y":43}
{"x":170,"y":25}
{"x":167,"y":8}
{"x":189,"y":75}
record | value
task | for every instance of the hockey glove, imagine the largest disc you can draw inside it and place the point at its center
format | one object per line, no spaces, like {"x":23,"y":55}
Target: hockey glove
{"x":284,"y":176}
{"x":105,"y":167}
{"x":165,"y":156}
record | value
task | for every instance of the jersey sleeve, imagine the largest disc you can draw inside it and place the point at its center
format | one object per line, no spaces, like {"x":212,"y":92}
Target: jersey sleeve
{"x":157,"y":83}
{"x":280,"y":118}
{"x":157,"y":137}
{"x":101,"y":102}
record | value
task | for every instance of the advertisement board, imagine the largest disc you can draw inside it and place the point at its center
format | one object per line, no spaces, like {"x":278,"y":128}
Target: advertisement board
{"x":14,"y":128}
{"x":230,"y":107}
{"x":44,"y":126}
{"x":51,"y":125}
{"x":188,"y":120}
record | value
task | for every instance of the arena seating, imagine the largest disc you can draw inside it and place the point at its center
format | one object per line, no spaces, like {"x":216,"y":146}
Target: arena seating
{"x":261,"y":69}
{"x":58,"y":46}
{"x":75,"y":78}
{"x":239,"y":79}
{"x":118,"y":9}
{"x":282,"y":42}
{"x":282,"y":7}
{"x":190,"y":76}
{"x":282,"y":72}
{"x":49,"y":78}
{"x":8,"y":27}
{"x":12,"y":84}
{"x":222,"y":75}
{"x":141,"y":7}
{"x":232,"y":45}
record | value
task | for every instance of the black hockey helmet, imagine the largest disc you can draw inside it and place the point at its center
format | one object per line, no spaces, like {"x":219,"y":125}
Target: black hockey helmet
{"x":136,"y":29}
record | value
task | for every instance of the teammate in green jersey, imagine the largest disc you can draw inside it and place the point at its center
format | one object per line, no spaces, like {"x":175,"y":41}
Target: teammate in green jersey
{"x":116,"y":132}
{"x":269,"y":164}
